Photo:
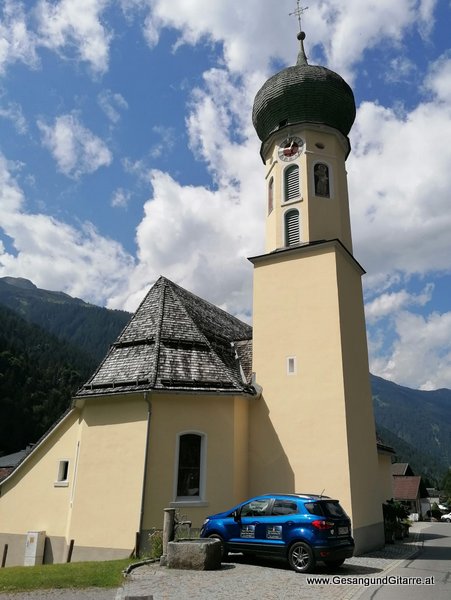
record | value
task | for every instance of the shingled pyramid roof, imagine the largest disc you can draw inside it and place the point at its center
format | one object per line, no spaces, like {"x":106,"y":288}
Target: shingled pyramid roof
{"x":176,"y":341}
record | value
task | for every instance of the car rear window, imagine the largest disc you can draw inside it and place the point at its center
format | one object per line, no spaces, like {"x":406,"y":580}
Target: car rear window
{"x":325,"y":508}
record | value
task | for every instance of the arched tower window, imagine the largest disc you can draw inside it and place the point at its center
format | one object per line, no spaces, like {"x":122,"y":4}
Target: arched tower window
{"x":322,"y":180}
{"x":291,"y":183}
{"x":292,"y":227}
{"x":190,"y":465}
{"x":270,"y":195}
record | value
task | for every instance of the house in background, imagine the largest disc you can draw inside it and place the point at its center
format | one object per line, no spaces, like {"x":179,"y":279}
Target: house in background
{"x":10,"y":461}
{"x":192,"y":408}
{"x":410,"y":489}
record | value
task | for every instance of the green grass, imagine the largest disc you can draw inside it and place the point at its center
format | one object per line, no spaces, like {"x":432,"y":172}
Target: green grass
{"x":74,"y":575}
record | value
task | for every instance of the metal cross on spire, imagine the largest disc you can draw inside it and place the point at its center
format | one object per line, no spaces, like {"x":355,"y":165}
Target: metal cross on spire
{"x":298,"y":13}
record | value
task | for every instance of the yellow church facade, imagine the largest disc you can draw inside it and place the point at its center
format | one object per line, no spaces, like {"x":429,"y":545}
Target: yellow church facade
{"x":195,"y":410}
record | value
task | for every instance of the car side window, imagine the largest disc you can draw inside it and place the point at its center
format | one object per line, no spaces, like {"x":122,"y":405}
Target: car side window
{"x":255,"y":508}
{"x":284,"y":507}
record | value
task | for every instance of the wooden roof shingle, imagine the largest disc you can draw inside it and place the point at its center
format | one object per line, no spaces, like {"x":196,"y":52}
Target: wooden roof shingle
{"x":176,"y":341}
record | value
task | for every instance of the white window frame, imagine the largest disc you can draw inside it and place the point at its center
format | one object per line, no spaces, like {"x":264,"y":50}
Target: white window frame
{"x":63,"y":467}
{"x":199,"y":500}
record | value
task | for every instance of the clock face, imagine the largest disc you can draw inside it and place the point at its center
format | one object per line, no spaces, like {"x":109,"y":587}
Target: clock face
{"x":290,"y":148}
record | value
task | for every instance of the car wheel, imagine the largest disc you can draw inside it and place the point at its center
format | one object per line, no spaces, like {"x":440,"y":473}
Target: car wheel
{"x":448,"y":520}
{"x":334,"y":564}
{"x":224,"y":552}
{"x":300,"y":557}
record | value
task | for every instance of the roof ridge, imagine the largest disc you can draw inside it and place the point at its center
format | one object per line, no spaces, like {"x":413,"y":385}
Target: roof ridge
{"x":159,"y":328}
{"x":203,"y":301}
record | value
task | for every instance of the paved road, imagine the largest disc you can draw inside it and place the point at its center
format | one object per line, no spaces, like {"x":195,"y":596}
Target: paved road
{"x":433,"y":561}
{"x":240,"y":579}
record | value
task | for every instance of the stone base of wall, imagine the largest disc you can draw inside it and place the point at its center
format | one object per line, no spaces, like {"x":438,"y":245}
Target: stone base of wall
{"x":56,"y":550}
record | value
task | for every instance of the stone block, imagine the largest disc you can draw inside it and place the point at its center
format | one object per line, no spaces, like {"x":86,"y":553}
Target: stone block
{"x":196,"y":554}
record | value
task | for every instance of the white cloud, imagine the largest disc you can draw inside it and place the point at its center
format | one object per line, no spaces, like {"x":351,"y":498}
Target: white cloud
{"x":421,"y":355}
{"x":391,"y":303}
{"x":17,"y":42}
{"x":75,"y":23}
{"x":111,"y":103}
{"x":120,"y":198}
{"x":13,"y":112}
{"x":198,"y":238}
{"x":168,"y":141}
{"x":438,"y":80}
{"x":10,"y":193}
{"x":75,"y":148}
{"x":399,"y":181}
{"x":351,"y":29}
{"x":55,"y":255}
{"x":252,"y":38}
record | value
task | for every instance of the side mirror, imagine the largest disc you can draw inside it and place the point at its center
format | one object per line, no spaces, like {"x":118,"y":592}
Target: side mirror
{"x":236,"y":515}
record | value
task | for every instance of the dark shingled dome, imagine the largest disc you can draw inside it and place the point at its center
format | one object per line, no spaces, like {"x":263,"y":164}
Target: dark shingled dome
{"x":303,"y":94}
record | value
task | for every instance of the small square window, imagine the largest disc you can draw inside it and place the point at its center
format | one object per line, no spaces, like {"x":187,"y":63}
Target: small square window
{"x":291,"y":365}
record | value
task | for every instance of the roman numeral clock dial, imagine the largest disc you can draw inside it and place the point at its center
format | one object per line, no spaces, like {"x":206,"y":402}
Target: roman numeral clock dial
{"x":290,"y":148}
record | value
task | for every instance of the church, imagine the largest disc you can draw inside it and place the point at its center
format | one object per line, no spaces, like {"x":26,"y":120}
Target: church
{"x":194,"y":409}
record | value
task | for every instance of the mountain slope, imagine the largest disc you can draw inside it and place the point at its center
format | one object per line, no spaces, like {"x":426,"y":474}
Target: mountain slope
{"x":420,"y":421}
{"x":91,"y":328}
{"x":38,"y":376}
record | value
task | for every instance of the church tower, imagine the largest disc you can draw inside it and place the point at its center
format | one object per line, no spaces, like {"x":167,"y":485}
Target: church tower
{"x":312,"y":429}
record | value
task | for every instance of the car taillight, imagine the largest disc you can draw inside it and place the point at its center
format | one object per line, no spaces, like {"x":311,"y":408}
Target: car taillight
{"x":323,"y":525}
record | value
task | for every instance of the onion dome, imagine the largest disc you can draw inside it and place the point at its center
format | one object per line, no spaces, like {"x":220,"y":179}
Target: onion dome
{"x":303,"y":94}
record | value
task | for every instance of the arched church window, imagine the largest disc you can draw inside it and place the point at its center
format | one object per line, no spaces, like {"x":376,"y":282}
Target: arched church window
{"x":322,"y":181}
{"x":270,"y":195}
{"x":292,"y":227}
{"x":189,"y":470}
{"x":291,"y":183}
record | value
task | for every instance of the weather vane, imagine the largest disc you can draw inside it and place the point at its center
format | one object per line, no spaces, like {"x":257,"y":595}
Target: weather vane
{"x":298,"y":13}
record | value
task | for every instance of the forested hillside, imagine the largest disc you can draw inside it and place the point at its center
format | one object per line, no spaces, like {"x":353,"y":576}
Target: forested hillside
{"x":419,"y":425}
{"x":91,"y":328}
{"x":38,"y":375}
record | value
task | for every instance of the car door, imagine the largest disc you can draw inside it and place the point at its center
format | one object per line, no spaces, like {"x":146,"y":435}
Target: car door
{"x":250,"y":532}
{"x":283,"y":517}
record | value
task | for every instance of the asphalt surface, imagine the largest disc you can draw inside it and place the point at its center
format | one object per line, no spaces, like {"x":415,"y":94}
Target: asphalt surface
{"x":427,"y":575}
{"x":270,"y":580}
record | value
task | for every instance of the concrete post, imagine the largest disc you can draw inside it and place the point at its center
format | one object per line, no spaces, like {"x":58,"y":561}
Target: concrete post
{"x":168,"y":532}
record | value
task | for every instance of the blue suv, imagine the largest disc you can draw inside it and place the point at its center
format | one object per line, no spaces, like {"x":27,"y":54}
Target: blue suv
{"x":301,"y":528}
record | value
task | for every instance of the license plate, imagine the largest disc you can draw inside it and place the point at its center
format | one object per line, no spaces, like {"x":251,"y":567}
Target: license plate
{"x":343,"y":531}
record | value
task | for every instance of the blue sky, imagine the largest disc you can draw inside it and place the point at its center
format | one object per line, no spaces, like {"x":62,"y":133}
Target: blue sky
{"x":127,"y":151}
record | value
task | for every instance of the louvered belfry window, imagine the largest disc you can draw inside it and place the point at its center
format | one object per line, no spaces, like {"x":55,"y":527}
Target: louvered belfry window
{"x":292,"y":228}
{"x":291,"y":183}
